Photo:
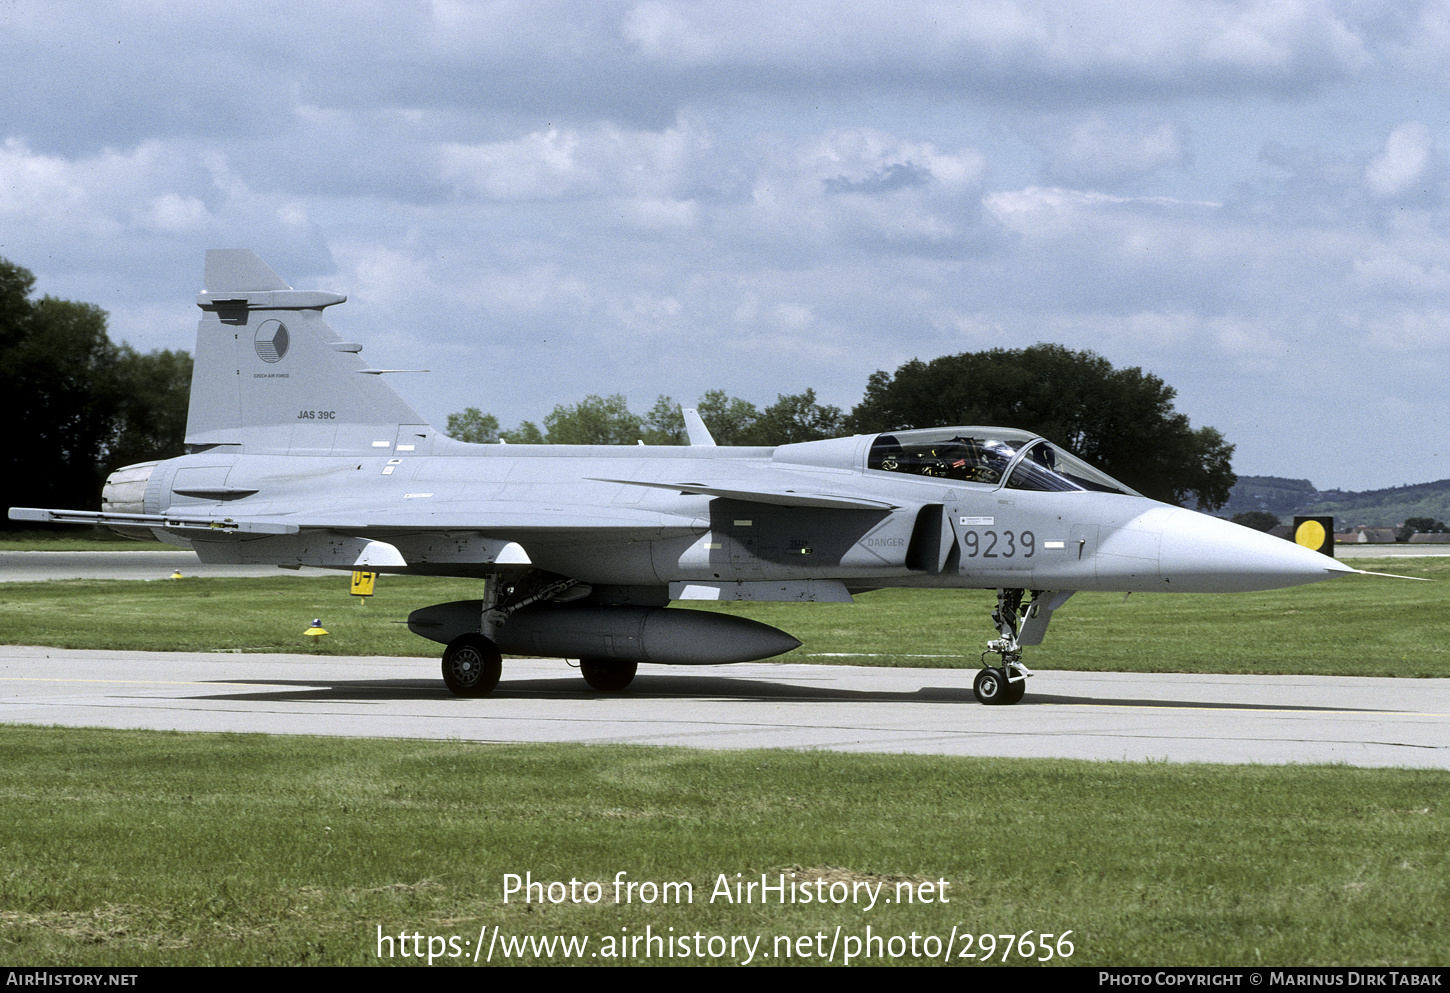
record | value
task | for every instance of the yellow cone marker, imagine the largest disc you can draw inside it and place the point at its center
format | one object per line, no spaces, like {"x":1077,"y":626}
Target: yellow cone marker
{"x":317,"y":630}
{"x":176,"y":574}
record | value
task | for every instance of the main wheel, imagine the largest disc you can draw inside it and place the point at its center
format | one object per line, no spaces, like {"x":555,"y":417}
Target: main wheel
{"x":607,"y":675}
{"x":991,"y":687}
{"x":471,"y":665}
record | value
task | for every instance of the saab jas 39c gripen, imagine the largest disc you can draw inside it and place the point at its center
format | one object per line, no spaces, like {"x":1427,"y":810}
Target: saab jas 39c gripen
{"x":298,"y":454}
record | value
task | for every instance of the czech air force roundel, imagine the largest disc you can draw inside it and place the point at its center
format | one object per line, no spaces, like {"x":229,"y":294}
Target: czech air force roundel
{"x":272,"y":341}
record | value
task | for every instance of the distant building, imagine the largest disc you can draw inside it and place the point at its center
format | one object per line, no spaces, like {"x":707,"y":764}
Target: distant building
{"x":1360,"y":534}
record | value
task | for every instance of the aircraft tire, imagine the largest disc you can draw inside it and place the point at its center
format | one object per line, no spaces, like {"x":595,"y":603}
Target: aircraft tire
{"x":471,"y":665}
{"x":1013,"y":692}
{"x":607,"y":675}
{"x":991,"y":687}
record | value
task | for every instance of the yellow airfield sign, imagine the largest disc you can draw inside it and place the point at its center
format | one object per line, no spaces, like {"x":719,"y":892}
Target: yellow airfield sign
{"x":1315,"y":533}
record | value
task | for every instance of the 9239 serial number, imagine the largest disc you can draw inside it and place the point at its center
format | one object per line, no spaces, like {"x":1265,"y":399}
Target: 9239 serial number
{"x":1003,"y":545}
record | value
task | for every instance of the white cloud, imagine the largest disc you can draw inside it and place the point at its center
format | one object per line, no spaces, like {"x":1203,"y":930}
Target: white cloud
{"x":1094,"y":149}
{"x":862,"y":160}
{"x":565,"y":163}
{"x":1401,"y":269}
{"x":35,"y":188}
{"x":662,"y":30}
{"x":1139,"y":43}
{"x":543,"y":165}
{"x":1404,"y":161}
{"x":1053,"y":211}
{"x":660,"y":213}
{"x":1421,"y":331}
{"x":172,"y":213}
{"x":851,"y":190}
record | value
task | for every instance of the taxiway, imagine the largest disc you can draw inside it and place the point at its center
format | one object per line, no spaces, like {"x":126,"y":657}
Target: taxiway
{"x":1114,"y":716}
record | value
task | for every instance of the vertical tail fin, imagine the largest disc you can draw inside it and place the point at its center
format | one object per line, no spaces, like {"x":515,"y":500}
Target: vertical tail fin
{"x":272,"y":377}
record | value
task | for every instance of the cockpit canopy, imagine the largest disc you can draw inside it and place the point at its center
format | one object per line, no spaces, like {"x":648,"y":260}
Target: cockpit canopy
{"x":988,"y":456}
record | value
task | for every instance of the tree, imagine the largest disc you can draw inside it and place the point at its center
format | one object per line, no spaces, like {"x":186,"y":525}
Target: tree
{"x":1419,"y":525}
{"x":794,"y":418}
{"x":729,"y":419}
{"x":599,"y":420}
{"x":594,"y":420}
{"x":1121,"y":420}
{"x":84,"y":405}
{"x":664,"y":424}
{"x":474,"y":426}
{"x":527,"y":433}
{"x":56,"y":386}
{"x":1259,"y":520}
{"x":153,"y":395}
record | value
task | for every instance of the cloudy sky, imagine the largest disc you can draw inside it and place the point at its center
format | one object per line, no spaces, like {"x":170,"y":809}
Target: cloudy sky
{"x":543,"y":200}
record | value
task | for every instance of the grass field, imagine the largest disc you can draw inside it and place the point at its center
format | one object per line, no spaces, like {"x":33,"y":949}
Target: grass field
{"x":1358,"y":625}
{"x":166,"y":849}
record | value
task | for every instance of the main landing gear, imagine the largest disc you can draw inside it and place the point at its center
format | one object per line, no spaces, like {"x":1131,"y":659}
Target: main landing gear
{"x":472,"y":665}
{"x":473,"y":662}
{"x":1006,"y":683}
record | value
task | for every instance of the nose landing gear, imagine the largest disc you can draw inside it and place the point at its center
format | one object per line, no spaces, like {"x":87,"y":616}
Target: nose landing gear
{"x":1006,"y":683}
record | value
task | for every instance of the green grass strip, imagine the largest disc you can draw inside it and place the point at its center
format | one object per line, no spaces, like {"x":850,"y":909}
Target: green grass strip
{"x":146,"y":848}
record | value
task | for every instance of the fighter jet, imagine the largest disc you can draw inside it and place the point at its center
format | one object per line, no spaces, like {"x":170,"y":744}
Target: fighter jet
{"x":298,"y":453}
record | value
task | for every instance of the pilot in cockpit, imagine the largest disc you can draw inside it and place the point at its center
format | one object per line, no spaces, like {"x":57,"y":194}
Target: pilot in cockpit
{"x":967,"y":459}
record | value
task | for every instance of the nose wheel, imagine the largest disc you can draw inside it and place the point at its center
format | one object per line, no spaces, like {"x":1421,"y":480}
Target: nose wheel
{"x":1005,"y":683}
{"x":999,"y":685}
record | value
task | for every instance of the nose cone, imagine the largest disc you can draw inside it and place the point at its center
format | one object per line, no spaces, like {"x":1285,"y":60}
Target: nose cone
{"x":1202,"y":554}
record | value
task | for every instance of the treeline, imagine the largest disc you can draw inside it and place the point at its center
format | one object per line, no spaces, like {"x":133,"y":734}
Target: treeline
{"x":1121,"y":420}
{"x":597,"y":420}
{"x":76,"y":404}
